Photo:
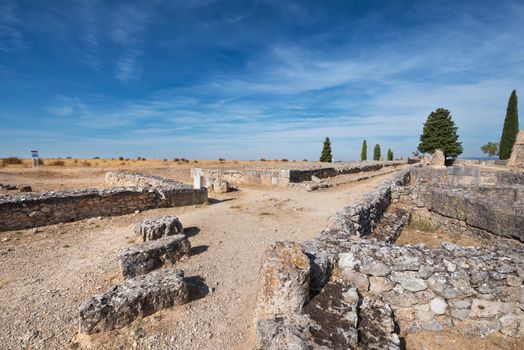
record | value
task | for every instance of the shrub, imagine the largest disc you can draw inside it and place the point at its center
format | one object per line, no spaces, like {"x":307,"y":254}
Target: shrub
{"x":221,"y":159}
{"x":262,"y":159}
{"x":176,"y":160}
{"x":11,"y":161}
{"x":86,"y":163}
{"x":418,"y":222}
{"x":96,"y":157}
{"x":120,"y":158}
{"x":195,"y":161}
{"x":57,"y":163}
{"x":284,"y":160}
{"x":69,"y":157}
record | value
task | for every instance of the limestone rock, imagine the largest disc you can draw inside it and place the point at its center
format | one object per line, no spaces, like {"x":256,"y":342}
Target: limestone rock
{"x":517,"y":154}
{"x":376,"y":326}
{"x":134,"y":298}
{"x":409,"y":280}
{"x":148,"y":256}
{"x":217,"y":185}
{"x":284,"y":285}
{"x":154,"y":228}
{"x":438,"y":159}
{"x":438,"y":306}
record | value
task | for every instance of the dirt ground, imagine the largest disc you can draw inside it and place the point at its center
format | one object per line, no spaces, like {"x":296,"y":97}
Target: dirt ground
{"x":45,"y":273}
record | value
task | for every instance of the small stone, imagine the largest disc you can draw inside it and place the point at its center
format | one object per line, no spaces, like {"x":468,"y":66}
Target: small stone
{"x":484,"y":308}
{"x":6,"y":239}
{"x":359,"y":280}
{"x":510,"y":324}
{"x":438,"y":306}
{"x":380,"y":284}
{"x":460,"y":314}
{"x":449,"y":266}
{"x":409,"y":280}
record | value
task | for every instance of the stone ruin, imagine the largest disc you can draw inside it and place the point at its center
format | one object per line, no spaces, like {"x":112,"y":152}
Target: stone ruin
{"x":353,"y":288}
{"x":136,"y":192}
{"x":151,"y":283}
{"x":517,"y":154}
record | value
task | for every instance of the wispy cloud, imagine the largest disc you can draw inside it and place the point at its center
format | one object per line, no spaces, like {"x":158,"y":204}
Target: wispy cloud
{"x":89,"y":15}
{"x":11,"y":38}
{"x":129,"y":27}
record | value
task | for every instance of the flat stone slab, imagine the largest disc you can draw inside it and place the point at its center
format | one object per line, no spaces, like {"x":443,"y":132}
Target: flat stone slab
{"x":151,"y":255}
{"x":154,"y":228}
{"x":135,"y":298}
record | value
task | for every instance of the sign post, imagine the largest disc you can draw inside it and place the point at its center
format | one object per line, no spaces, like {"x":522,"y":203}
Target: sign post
{"x":34,"y":158}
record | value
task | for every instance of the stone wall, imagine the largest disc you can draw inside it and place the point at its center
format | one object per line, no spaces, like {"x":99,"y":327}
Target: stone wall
{"x":496,"y":209}
{"x":465,"y":176}
{"x":359,"y":288}
{"x":362,"y":217}
{"x":477,"y":291}
{"x":282,"y":177}
{"x":40,"y":209}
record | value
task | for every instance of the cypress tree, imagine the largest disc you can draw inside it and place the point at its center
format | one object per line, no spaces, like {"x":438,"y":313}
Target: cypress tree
{"x":326,"y":155}
{"x":376,"y":152}
{"x":390,"y":154}
{"x":364,"y":152}
{"x":511,"y":127}
{"x":440,"y":132}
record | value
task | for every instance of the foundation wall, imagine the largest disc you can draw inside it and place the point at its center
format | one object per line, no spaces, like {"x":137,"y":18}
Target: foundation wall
{"x":282,"y":177}
{"x":26,"y":211}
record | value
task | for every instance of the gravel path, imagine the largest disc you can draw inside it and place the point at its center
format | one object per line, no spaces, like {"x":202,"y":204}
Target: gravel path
{"x":45,"y":275}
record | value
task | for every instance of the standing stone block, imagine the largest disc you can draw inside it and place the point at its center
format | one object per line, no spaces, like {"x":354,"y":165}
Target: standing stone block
{"x":154,"y":228}
{"x":217,"y":185}
{"x":149,"y":256}
{"x":284,"y":286}
{"x":135,"y":298}
{"x":517,"y":154}
{"x":438,"y":159}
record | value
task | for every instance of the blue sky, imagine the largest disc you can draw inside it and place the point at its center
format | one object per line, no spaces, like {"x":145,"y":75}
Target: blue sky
{"x":204,"y":79}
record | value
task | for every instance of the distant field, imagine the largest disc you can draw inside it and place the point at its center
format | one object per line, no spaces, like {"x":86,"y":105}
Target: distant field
{"x":139,"y":163}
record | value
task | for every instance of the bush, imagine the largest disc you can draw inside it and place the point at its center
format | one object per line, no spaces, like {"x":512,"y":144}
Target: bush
{"x":262,"y":159}
{"x":176,"y":160}
{"x":96,"y":157}
{"x":11,"y":161}
{"x":284,"y":160}
{"x":418,"y":222}
{"x":69,"y":157}
{"x":120,"y":158}
{"x":57,"y":163}
{"x":195,"y":161}
{"x":221,"y":159}
{"x":86,"y":163}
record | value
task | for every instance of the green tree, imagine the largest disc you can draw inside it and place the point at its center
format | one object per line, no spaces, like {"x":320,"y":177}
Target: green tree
{"x":364,"y":152}
{"x":511,"y":127}
{"x":326,"y":155}
{"x":390,"y":154}
{"x":490,"y":148}
{"x":376,"y":152}
{"x":440,"y":132}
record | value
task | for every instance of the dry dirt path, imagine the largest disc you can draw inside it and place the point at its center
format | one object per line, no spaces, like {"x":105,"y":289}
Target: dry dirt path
{"x":44,"y":276}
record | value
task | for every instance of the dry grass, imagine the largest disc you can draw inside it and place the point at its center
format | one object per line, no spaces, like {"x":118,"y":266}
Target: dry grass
{"x":13,"y":162}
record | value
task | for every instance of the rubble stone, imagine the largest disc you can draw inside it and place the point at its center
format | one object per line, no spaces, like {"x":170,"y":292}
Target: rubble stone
{"x":155,"y":228}
{"x":148,"y":256}
{"x":135,"y":298}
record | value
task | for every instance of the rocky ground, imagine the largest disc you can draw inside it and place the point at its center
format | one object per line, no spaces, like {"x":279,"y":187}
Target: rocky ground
{"x":47,"y":272}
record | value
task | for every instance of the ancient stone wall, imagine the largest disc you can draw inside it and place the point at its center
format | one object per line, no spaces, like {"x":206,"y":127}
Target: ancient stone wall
{"x":465,"y":176}
{"x":359,"y":288}
{"x":496,"y":209}
{"x":40,"y":209}
{"x":363,"y":216}
{"x":282,"y":177}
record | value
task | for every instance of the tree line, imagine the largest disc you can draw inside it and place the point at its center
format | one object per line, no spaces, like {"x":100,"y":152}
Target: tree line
{"x":440,"y":132}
